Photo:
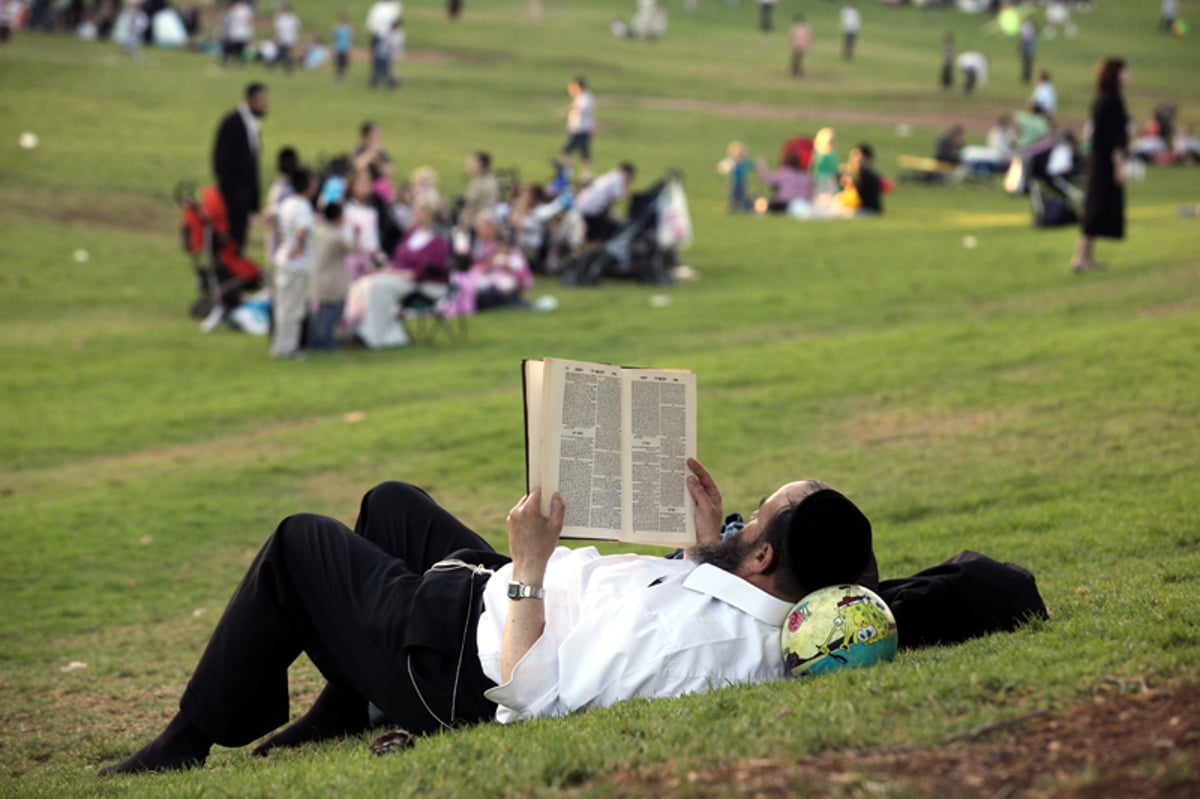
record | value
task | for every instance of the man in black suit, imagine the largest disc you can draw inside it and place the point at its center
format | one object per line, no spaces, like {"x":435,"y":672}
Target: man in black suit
{"x":235,"y":160}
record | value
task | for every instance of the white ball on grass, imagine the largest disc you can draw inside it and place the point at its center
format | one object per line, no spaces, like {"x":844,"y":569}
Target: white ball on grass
{"x":28,"y":140}
{"x":81,"y":256}
{"x":970,"y":242}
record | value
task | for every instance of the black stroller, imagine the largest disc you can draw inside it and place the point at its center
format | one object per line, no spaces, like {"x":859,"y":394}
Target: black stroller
{"x":1050,"y":181}
{"x":633,"y":251}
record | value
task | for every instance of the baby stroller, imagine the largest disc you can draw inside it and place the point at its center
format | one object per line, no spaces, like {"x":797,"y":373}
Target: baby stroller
{"x":1050,"y":170}
{"x":222,"y":274}
{"x":646,"y":246}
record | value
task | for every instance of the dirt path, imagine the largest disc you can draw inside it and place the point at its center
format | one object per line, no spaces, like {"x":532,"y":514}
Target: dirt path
{"x":1115,"y":745}
{"x":833,"y":116}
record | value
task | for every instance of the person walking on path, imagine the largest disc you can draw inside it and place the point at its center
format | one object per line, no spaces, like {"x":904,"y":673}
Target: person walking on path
{"x":851,"y":22}
{"x":1104,"y":205}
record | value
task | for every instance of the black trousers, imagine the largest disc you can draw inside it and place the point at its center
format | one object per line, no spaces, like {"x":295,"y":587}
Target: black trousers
{"x":237,"y":210}
{"x":362,"y":607}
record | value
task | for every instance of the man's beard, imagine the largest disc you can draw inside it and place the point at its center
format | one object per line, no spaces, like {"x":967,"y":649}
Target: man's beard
{"x":726,"y":555}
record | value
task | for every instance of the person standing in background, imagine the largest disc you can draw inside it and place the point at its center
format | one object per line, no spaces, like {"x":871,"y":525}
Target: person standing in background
{"x":948,"y":55}
{"x":235,"y":160}
{"x":801,"y":39}
{"x":287,"y":34}
{"x":1104,"y":206}
{"x":581,"y":121}
{"x":343,"y":39}
{"x":1169,"y":11}
{"x":766,"y":9}
{"x":1027,"y":47}
{"x":293,"y":265}
{"x":1044,"y":94}
{"x":851,"y":22}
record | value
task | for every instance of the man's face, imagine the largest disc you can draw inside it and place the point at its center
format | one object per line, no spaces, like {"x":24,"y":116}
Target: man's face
{"x":732,"y":554}
{"x":257,"y":103}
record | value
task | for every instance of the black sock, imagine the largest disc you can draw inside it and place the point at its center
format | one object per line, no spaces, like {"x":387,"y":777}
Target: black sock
{"x":338,"y":712}
{"x":179,"y":746}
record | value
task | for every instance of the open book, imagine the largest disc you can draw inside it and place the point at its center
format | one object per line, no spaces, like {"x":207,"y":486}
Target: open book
{"x":614,"y":443}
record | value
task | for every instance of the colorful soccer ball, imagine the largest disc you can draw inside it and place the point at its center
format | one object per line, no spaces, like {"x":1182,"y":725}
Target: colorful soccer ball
{"x":838,"y":627}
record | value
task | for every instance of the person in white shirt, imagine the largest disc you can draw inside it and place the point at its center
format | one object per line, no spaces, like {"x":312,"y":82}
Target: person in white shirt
{"x":414,"y":613}
{"x":287,"y":36}
{"x":293,"y":263}
{"x":851,"y":22}
{"x":238,"y":25}
{"x":581,"y":121}
{"x":595,"y":201}
{"x":974,"y":66}
{"x":1044,"y":95}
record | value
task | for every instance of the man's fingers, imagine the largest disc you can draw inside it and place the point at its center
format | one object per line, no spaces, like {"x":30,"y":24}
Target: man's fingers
{"x":558,"y":512}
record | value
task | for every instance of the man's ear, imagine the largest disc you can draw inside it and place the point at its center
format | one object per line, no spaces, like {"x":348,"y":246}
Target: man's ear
{"x":759,"y":561}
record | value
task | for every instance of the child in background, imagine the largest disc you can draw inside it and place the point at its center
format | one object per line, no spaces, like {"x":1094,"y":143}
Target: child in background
{"x":738,"y":166}
{"x":388,"y":51}
{"x":361,"y":228}
{"x":825,"y":163}
{"x":801,"y":38}
{"x":293,"y":262}
{"x":343,"y":38}
{"x":287,"y":163}
{"x":330,"y":283}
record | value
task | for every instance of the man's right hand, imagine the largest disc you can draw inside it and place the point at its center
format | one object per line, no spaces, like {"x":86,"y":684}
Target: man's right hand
{"x":532,"y":537}
{"x":710,"y":515}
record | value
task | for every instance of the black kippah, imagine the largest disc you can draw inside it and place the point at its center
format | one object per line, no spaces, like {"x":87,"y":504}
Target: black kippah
{"x":829,"y":540}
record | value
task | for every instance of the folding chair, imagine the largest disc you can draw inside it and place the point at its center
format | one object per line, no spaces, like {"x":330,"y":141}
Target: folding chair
{"x":426,"y":315}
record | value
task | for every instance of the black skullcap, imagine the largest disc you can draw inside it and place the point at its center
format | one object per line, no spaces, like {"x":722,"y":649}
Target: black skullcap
{"x":828,"y":541}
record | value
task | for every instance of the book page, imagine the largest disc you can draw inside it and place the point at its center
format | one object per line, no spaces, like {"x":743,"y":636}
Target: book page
{"x":582,"y":446}
{"x":660,"y":406}
{"x":531,"y":384}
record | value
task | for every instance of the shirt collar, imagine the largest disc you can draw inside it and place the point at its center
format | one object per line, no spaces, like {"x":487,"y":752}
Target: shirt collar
{"x":735,"y":591}
{"x":251,"y":122}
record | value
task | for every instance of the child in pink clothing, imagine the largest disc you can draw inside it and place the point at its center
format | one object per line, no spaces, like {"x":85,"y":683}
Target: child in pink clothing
{"x":801,"y":39}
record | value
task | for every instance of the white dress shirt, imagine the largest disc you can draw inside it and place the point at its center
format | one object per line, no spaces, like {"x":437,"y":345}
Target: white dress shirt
{"x":850,"y":19}
{"x":623,"y":626}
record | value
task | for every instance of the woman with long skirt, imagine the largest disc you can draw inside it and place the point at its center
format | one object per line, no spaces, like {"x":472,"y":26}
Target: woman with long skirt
{"x":1104,"y":208}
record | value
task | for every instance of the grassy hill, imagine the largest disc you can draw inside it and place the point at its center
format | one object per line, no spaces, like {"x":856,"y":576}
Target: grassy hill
{"x":981,"y":398}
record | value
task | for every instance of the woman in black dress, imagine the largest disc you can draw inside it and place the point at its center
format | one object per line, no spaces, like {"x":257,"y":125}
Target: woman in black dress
{"x":1104,"y":208}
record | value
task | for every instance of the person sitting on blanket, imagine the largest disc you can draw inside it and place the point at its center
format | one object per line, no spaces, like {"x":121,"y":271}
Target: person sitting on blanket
{"x":862,"y":188}
{"x":414,"y":613}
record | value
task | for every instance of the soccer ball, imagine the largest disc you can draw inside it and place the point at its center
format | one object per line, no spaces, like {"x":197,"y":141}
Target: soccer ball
{"x":838,"y":627}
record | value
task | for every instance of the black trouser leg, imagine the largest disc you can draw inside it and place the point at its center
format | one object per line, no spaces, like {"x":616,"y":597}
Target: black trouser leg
{"x":344,"y":599}
{"x":405,"y":522}
{"x":314,"y":587}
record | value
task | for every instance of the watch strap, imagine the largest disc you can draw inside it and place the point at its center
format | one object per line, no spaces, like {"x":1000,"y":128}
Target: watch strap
{"x":518,"y":590}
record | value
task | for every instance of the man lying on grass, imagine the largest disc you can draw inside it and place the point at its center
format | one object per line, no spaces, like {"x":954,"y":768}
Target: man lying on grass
{"x":414,"y":613}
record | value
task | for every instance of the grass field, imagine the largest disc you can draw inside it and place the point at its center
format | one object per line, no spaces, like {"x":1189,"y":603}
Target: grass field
{"x":979,"y":398}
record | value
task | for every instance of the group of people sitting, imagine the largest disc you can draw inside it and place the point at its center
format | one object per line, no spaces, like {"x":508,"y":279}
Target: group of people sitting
{"x":1162,"y":141}
{"x":810,"y":182}
{"x":383,"y":244}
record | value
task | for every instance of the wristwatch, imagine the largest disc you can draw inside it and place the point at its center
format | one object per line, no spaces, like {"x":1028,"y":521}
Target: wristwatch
{"x":524,"y":591}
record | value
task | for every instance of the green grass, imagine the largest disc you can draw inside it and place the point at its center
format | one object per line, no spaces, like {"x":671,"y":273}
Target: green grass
{"x":981,"y":398}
